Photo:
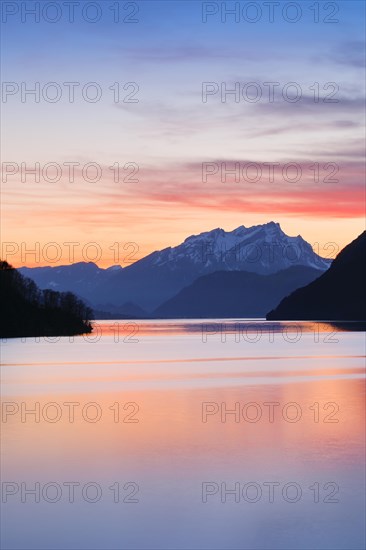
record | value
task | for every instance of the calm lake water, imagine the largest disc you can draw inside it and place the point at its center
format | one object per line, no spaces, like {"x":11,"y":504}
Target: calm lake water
{"x":198,"y":435}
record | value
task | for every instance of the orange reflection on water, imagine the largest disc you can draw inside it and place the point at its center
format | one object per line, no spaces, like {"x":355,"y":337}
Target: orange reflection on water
{"x":170,"y":432}
{"x":135,"y":328}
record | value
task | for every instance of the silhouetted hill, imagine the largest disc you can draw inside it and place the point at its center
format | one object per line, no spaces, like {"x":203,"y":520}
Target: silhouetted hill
{"x":338,"y":295}
{"x":28,"y":311}
{"x":225,"y":294}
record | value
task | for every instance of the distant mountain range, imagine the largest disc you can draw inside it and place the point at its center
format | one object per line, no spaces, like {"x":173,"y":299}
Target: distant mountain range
{"x":141,"y":288}
{"x":81,"y":278}
{"x":338,"y":295}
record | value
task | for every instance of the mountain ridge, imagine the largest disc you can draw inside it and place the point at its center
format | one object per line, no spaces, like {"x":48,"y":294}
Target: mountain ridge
{"x":149,"y":282}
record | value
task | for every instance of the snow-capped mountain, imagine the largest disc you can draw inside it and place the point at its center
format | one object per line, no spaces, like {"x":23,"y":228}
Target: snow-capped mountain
{"x":261,"y":249}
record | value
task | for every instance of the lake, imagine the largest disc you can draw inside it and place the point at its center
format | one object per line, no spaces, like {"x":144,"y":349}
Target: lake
{"x":233,"y":434}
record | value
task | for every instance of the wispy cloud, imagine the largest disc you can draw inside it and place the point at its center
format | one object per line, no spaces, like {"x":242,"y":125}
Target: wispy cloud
{"x":350,"y":53}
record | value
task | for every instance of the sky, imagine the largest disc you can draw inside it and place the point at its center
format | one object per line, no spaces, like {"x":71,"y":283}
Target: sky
{"x":208,"y":119}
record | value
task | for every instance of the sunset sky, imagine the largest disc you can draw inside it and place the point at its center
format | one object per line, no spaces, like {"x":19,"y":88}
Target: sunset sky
{"x":170,"y":132}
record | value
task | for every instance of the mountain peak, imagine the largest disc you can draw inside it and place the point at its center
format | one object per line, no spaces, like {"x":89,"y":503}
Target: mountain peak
{"x":274,"y":226}
{"x":270,"y":227}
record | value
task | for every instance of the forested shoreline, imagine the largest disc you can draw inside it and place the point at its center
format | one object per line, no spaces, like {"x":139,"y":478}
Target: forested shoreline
{"x":28,"y":311}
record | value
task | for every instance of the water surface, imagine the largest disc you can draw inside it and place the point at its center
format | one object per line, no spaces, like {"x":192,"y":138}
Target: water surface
{"x":232,"y":434}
